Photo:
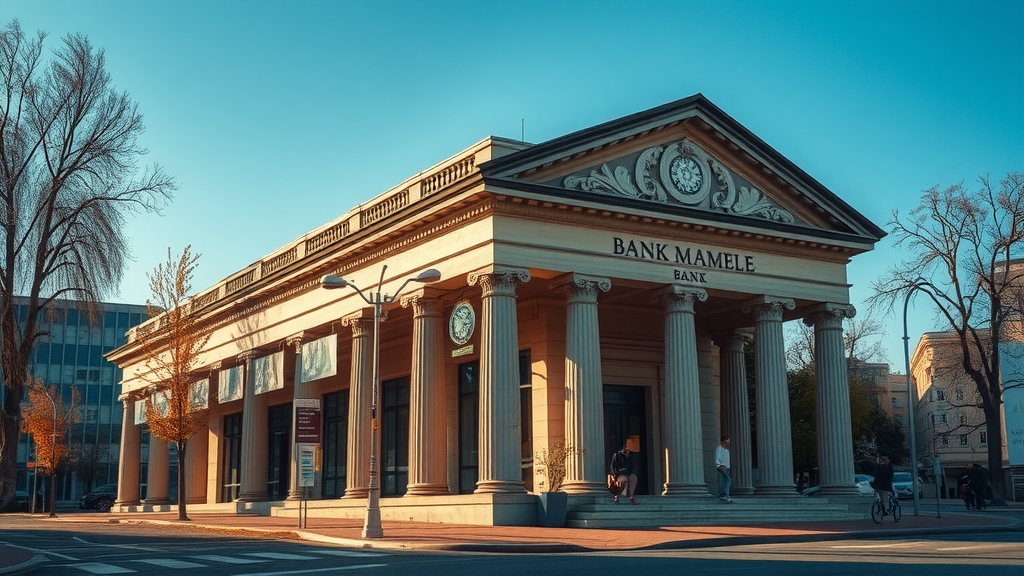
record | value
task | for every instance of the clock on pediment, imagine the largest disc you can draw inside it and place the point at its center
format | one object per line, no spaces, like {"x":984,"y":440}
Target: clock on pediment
{"x":685,"y":173}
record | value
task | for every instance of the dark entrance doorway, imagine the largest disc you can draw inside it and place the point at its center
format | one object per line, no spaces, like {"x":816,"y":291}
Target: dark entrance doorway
{"x":625,"y":417}
{"x":279,"y":419}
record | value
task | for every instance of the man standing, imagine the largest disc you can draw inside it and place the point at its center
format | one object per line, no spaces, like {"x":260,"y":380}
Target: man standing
{"x":722,"y":465}
{"x":624,"y":473}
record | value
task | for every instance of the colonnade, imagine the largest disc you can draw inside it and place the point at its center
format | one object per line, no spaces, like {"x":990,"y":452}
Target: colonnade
{"x":499,"y":427}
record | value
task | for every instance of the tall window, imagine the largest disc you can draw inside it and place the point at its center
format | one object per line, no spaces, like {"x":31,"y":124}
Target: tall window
{"x":395,"y":437}
{"x":959,"y":395}
{"x":526,"y":417}
{"x":335,"y":437}
{"x":232,"y":473}
{"x":983,"y":438}
{"x":964,"y":441}
{"x":944,"y":440}
{"x":940,"y":394}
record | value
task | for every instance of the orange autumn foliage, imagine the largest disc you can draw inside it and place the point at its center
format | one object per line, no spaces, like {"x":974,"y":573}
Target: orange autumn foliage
{"x":38,"y":420}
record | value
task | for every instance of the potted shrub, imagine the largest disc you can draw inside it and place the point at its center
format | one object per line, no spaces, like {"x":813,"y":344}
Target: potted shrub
{"x":552,"y":505}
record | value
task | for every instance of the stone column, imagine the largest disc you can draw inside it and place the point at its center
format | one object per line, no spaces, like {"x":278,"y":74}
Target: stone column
{"x":735,"y":409}
{"x":360,"y":405}
{"x":428,"y":464}
{"x":682,"y":415}
{"x":500,"y":458}
{"x":774,"y":439}
{"x":159,"y":472}
{"x":254,"y":438}
{"x":300,"y":391}
{"x":832,"y":402}
{"x":131,"y":455}
{"x":585,"y":470}
{"x":196,"y":467}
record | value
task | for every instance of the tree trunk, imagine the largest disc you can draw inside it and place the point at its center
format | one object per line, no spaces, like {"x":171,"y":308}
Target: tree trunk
{"x":993,"y":427}
{"x":53,"y":493}
{"x":8,"y":459}
{"x":182,"y":512}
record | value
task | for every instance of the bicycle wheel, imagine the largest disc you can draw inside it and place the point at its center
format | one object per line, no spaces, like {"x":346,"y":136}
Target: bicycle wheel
{"x":876,"y":512}
{"x":896,"y":511}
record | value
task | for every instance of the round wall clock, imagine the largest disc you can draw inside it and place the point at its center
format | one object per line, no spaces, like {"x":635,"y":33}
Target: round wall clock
{"x":462,"y":323}
{"x":685,"y":173}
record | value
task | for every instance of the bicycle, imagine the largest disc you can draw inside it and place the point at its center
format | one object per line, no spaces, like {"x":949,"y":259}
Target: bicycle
{"x":878,"y":511}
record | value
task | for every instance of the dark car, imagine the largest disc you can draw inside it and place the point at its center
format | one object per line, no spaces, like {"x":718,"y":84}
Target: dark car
{"x":101,"y":498}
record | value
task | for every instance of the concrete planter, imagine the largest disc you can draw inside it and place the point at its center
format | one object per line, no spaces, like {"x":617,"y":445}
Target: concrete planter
{"x":552,"y":508}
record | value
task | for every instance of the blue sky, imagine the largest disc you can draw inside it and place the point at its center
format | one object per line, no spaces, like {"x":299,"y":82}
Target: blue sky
{"x":276,"y":117}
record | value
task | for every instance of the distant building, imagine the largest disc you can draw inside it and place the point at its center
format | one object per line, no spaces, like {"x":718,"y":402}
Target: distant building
{"x":72,"y":354}
{"x":890,"y":392}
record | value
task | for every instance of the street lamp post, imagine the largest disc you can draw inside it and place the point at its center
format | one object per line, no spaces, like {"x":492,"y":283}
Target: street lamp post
{"x":371,"y":526}
{"x":912,"y":427}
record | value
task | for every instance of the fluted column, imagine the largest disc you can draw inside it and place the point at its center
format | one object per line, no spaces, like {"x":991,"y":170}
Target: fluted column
{"x":428,"y":465}
{"x":196,"y":467}
{"x":159,"y":472}
{"x":300,"y":391}
{"x":254,"y":438}
{"x":683,"y":438}
{"x":585,"y":470}
{"x":360,"y":406}
{"x":130,"y":457}
{"x":774,"y":438}
{"x":832,"y":402}
{"x":735,"y":409}
{"x":500,"y":458}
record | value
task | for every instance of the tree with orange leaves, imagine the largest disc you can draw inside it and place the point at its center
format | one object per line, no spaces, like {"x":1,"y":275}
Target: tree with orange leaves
{"x":48,"y":420}
{"x":177,"y":408}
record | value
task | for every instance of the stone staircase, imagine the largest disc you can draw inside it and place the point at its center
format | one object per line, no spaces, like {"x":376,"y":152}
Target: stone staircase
{"x":603,"y":512}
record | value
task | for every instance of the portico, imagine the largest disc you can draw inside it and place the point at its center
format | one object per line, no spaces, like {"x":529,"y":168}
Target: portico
{"x":596,"y":289}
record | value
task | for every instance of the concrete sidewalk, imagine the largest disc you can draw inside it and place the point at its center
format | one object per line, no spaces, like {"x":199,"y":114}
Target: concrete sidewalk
{"x":528,"y":539}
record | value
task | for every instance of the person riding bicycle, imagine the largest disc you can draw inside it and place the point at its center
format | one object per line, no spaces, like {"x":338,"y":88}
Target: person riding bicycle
{"x":883,"y":481}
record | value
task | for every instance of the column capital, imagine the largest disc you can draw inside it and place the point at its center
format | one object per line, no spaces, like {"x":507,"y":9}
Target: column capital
{"x":361,"y":322}
{"x":767,"y":308}
{"x":296,"y":341}
{"x":248,"y":356}
{"x":679,"y":297}
{"x":499,"y":281}
{"x":731,"y":341}
{"x":829,"y":315}
{"x":580,"y":287}
{"x":426,"y":302}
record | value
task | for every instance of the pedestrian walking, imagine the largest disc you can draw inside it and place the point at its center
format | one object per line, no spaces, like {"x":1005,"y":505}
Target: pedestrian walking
{"x":723,"y":466}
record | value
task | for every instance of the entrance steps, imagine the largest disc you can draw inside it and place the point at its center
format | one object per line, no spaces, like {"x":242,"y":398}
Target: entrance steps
{"x":651,"y":511}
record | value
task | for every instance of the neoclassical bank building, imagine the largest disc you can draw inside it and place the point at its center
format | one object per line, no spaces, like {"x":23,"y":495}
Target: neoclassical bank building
{"x":595,"y":290}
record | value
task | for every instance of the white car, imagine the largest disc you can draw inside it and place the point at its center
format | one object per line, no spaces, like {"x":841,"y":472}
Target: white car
{"x":863,"y":482}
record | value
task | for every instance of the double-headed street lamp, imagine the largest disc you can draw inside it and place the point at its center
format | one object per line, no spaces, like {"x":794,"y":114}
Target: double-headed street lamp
{"x":371,"y":526}
{"x":918,"y":284}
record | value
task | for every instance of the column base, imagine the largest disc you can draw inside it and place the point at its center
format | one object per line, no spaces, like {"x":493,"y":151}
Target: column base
{"x":684,"y":489}
{"x":499,"y":487}
{"x":837,"y":490}
{"x":427,"y":490}
{"x":157,"y":501}
{"x":251,"y":498}
{"x":135,"y":502}
{"x":776,"y":491}
{"x":744,"y":491}
{"x":357,"y":493}
{"x":582,"y":487}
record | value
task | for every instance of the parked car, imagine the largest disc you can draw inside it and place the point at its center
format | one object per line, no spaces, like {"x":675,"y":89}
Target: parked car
{"x":101,"y":498}
{"x":863,"y":482}
{"x":903,"y":485}
{"x":24,"y":504}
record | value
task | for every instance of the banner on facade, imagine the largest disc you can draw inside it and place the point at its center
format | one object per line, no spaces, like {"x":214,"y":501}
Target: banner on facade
{"x":1011,"y":366}
{"x":307,"y":420}
{"x":229,"y":384}
{"x":319,"y":358}
{"x":199,"y":395}
{"x":140,"y":412}
{"x":268,"y":372}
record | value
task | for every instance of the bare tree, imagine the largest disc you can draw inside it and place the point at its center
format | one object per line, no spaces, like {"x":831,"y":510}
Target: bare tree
{"x":862,"y":340}
{"x":171,"y":346}
{"x":68,"y":180}
{"x":959,"y":243}
{"x":48,"y":419}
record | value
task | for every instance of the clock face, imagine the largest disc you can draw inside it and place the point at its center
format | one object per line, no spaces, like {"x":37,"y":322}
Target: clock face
{"x":462,"y":323}
{"x":686,"y":174}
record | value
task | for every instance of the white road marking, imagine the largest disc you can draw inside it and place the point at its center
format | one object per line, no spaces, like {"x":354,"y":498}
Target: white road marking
{"x":316,"y":570}
{"x":957,"y":548}
{"x":228,"y":559}
{"x":877,"y":545}
{"x":279,"y":556}
{"x":100,"y":568}
{"x":38,"y":551}
{"x":171,"y":563}
{"x":128,"y":546}
{"x":351,"y":553}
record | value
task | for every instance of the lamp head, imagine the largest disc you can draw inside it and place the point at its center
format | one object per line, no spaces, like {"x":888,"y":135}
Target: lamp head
{"x":428,"y":276}
{"x":333,"y":281}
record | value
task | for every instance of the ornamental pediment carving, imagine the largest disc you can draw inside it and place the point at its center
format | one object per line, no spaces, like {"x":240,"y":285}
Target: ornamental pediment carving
{"x":679,"y":173}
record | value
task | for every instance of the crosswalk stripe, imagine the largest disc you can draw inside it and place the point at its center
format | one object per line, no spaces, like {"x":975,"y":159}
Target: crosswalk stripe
{"x":279,"y":556}
{"x":171,"y":563}
{"x":100,"y":568}
{"x":228,"y":559}
{"x":350,"y":553}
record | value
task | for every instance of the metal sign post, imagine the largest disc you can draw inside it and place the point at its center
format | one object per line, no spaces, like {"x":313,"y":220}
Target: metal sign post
{"x":307,"y":438}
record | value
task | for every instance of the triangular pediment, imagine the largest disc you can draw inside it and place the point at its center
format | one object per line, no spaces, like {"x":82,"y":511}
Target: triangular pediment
{"x":686,"y":158}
